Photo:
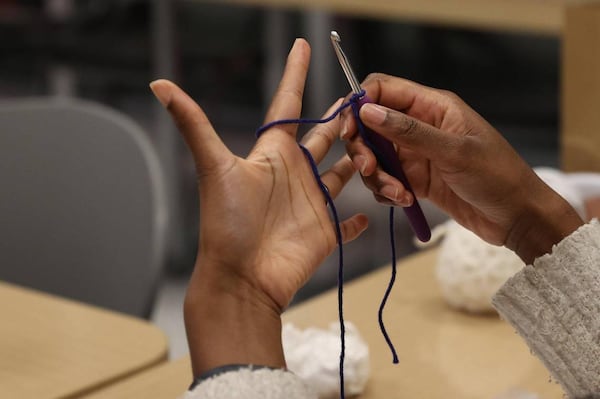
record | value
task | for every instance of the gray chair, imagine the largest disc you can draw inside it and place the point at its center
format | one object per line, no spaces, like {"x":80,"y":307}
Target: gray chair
{"x":82,"y":203}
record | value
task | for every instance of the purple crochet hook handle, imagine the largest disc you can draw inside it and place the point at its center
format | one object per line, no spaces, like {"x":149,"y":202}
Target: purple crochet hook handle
{"x":388,"y":160}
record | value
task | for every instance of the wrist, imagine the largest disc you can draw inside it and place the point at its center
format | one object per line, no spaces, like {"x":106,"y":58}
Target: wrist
{"x":229,"y":322}
{"x":544,"y":221}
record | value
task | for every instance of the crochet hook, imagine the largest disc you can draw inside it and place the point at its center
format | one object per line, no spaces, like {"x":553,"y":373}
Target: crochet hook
{"x":382,"y":148}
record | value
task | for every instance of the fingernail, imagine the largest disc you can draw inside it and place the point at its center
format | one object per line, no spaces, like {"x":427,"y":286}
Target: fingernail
{"x":361,"y":163}
{"x":161,"y":92}
{"x":405,"y":200}
{"x":390,"y":193}
{"x":344,"y":130}
{"x":296,"y":41}
{"x":373,"y":113}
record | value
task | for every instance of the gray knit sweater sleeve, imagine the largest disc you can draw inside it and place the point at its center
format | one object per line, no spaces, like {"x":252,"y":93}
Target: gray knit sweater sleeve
{"x":252,"y":384}
{"x":555,"y":306}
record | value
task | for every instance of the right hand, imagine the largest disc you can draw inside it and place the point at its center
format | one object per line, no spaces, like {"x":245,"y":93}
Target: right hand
{"x":453,"y":157}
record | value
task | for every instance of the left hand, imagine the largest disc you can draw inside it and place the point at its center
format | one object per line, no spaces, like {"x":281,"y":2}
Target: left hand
{"x":264,"y":224}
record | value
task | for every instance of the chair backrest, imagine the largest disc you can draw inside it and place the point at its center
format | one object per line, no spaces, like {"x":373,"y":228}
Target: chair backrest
{"x":82,"y":203}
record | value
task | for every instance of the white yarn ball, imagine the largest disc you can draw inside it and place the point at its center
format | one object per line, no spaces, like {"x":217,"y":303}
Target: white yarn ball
{"x":313,"y":355}
{"x":470,"y":271}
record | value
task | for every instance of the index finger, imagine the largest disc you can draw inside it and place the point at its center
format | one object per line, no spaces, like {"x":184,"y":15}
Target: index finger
{"x":287,"y":102}
{"x":424,"y":103}
{"x":391,"y":91}
{"x":408,"y":132}
{"x":421,"y":102}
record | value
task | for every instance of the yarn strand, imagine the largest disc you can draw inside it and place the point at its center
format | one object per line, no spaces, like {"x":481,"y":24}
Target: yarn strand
{"x":353,"y":102}
{"x":389,"y":290}
{"x":338,"y":233}
{"x":304,"y":121}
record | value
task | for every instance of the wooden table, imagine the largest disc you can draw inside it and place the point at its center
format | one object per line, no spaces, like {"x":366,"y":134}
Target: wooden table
{"x":167,"y":381}
{"x":55,"y":348}
{"x":443,"y":353}
{"x":576,"y":22}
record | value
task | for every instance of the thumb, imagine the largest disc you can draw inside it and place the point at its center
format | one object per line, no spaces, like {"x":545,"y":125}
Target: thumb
{"x":206,"y":146}
{"x":407,"y":131}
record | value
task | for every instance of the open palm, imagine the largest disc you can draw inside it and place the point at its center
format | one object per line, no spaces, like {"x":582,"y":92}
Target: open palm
{"x":263,"y":219}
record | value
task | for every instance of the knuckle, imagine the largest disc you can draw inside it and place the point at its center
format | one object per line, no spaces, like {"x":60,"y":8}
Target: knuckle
{"x":452,"y":98}
{"x":460,"y":152}
{"x":171,"y":106}
{"x":325,"y":134}
{"x":375,"y":80}
{"x":338,"y":176}
{"x":376,"y":76}
{"x":448,"y":93}
{"x":344,"y":168}
{"x":369,"y":183}
{"x":353,"y":148}
{"x":295,"y":92}
{"x":402,"y":125}
{"x":348,"y":230}
{"x":410,"y":126}
{"x":186,"y":119}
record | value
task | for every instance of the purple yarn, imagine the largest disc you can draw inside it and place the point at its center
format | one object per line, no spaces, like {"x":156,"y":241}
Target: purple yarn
{"x":353,"y":102}
{"x":303,"y":121}
{"x":338,"y":233}
{"x":389,"y":290}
